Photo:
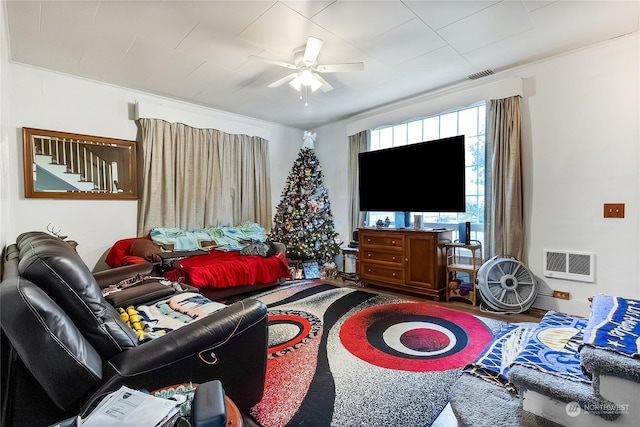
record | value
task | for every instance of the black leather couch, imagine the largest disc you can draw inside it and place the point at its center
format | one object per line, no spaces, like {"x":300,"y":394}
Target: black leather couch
{"x":63,"y":345}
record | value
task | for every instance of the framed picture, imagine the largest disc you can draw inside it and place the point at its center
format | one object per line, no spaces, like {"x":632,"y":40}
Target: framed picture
{"x":62,"y":165}
{"x":311,"y":270}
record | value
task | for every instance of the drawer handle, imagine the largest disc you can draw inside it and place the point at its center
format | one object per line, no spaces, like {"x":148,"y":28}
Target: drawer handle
{"x":394,"y":258}
{"x":368,"y":255}
{"x":393,"y":242}
{"x":369,"y":240}
{"x":368,"y":270}
{"x":394,"y":274}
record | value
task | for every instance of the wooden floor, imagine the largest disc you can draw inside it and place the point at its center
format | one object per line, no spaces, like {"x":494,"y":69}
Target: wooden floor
{"x":533,"y":315}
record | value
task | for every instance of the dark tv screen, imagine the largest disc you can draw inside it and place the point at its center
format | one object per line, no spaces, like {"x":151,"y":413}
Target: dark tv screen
{"x":422,"y":177}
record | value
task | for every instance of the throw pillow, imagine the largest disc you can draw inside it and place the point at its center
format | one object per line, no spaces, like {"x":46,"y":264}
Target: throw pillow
{"x":146,"y":249}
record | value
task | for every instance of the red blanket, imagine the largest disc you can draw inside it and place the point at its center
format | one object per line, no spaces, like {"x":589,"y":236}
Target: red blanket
{"x":217,"y":269}
{"x":226,"y":269}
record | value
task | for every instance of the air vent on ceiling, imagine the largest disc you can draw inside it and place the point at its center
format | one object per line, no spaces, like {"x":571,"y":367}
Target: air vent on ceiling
{"x":570,"y":265}
{"x":480,"y":75}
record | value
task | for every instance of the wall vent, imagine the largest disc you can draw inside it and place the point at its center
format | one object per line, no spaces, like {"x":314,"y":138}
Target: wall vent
{"x":571,"y":265}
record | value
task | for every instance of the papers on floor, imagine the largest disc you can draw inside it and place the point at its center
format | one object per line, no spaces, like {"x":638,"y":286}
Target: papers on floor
{"x":128,"y":407}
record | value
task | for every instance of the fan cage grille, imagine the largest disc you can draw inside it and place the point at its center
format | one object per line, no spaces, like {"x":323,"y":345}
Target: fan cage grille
{"x":506,"y":285}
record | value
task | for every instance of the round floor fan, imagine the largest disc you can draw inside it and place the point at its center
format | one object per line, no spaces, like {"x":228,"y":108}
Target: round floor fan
{"x":506,"y":285}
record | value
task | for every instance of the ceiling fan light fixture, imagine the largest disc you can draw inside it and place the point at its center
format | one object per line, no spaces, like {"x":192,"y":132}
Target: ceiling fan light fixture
{"x":315,"y":84}
{"x":306,"y":78}
{"x":296,"y":83}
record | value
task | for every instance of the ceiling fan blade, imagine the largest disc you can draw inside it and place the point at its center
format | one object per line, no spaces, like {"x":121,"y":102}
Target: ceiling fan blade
{"x":283,"y":80}
{"x":326,"y":87}
{"x":340,"y":68}
{"x":273,"y":62}
{"x":312,"y":50}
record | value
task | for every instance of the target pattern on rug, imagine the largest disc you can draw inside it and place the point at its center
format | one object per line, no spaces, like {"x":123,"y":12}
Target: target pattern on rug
{"x":409,"y":337}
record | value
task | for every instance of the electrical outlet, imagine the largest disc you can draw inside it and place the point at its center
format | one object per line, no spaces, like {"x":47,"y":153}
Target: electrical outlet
{"x":614,"y":210}
{"x":561,"y":294}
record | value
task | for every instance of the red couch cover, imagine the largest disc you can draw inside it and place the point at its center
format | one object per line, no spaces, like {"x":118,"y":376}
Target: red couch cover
{"x":217,"y":269}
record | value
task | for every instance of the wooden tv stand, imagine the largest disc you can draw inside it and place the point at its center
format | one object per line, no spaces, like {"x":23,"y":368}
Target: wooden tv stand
{"x":405,"y":259}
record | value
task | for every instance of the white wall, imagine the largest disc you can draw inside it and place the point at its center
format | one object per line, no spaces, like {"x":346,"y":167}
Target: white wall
{"x":4,"y":138}
{"x":581,"y":137}
{"x":46,"y":100}
{"x":580,"y":150}
{"x":332,"y":150}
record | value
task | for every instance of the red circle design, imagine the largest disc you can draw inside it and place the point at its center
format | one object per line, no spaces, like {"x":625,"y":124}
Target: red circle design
{"x":424,"y":339}
{"x":353,"y":335}
{"x":301,"y":322}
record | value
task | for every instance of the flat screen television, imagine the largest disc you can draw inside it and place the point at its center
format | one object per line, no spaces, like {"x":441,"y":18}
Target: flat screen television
{"x":422,"y":177}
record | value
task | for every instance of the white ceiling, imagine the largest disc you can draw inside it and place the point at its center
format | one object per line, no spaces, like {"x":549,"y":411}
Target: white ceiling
{"x":198,"y":51}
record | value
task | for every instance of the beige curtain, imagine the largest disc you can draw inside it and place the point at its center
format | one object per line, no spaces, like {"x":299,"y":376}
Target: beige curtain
{"x":504,"y":212}
{"x":194,"y":178}
{"x":358,"y":143}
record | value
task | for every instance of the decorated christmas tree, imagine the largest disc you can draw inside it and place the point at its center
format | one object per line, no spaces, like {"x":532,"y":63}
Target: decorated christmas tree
{"x":303,"y":219}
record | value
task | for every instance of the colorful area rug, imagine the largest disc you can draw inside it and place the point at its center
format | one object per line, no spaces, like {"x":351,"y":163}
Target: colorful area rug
{"x":345,"y":357}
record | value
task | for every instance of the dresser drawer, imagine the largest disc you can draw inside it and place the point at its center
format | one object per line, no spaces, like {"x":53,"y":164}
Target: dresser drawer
{"x":391,"y":240}
{"x":381,"y":272}
{"x":375,"y":255}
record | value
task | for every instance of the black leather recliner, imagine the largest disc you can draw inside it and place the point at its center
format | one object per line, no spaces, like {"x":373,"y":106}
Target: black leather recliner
{"x":64,"y":345}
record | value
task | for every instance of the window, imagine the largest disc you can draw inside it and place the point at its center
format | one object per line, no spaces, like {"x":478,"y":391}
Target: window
{"x":469,"y":121}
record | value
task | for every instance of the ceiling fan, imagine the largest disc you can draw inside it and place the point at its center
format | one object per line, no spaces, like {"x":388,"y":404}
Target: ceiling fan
{"x":307,"y":70}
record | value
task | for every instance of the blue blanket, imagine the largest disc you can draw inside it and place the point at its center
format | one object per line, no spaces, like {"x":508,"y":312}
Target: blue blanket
{"x":553,"y":349}
{"x":614,"y":325}
{"x":494,"y":362}
{"x":230,"y":238}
